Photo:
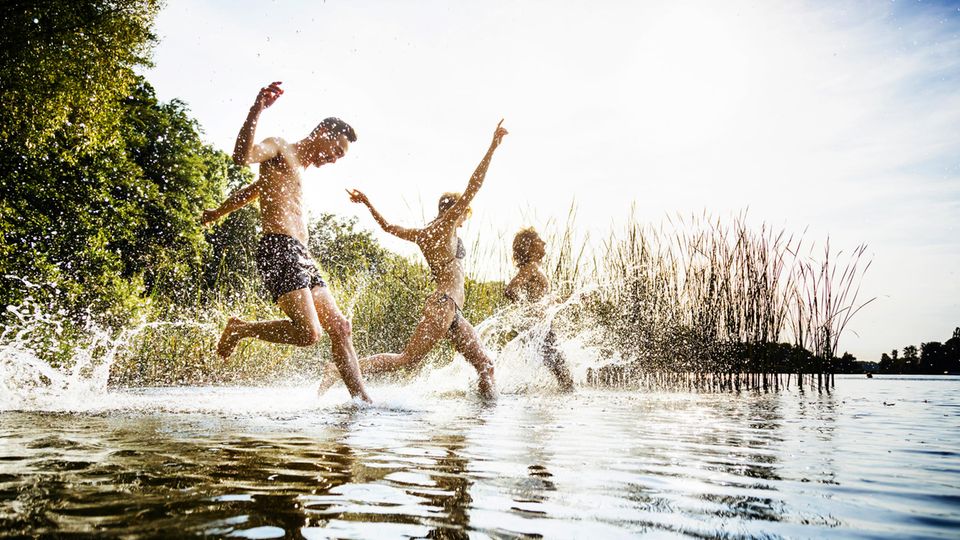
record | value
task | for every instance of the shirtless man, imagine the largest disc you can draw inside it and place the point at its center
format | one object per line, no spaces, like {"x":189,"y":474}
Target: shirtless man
{"x":282,"y":258}
{"x":531,"y":284}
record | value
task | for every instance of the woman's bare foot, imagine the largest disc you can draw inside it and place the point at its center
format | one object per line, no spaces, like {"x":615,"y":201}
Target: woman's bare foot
{"x":330,"y":377}
{"x":486,"y":385}
{"x":229,"y":338}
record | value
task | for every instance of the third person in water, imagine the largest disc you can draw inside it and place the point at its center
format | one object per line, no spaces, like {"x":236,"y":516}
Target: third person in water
{"x":531,"y":285}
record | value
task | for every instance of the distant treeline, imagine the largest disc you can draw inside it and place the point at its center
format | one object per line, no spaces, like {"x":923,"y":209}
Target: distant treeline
{"x":932,"y":358}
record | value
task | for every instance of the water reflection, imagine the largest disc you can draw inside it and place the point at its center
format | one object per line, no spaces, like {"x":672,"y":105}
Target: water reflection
{"x":453,"y":488}
{"x":591,"y":464}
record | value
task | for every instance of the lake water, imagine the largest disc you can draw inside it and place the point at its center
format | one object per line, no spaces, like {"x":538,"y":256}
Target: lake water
{"x":875,"y":458}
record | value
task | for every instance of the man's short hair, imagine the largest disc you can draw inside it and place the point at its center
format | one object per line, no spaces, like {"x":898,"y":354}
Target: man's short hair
{"x":337,"y":126}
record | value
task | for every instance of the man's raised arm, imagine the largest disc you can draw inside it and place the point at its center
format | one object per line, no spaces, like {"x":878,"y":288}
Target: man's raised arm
{"x":244,"y":151}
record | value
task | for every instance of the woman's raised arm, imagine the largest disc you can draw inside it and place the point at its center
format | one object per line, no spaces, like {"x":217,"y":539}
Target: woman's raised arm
{"x":476,"y":180}
{"x":400,"y":232}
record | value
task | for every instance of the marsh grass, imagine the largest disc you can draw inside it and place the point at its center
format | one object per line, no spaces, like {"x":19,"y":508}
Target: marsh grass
{"x":384,"y":307}
{"x":706,"y":303}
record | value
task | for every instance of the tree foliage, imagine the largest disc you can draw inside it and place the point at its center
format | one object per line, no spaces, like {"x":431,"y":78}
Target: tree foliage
{"x":101,"y":183}
{"x":342,"y":250}
{"x":64,"y":67}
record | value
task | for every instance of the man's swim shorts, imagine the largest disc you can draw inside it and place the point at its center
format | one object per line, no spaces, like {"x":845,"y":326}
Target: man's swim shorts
{"x":285,"y":265}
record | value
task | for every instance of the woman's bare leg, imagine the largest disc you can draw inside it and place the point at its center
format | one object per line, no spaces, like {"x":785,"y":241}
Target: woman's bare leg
{"x":438,"y":313}
{"x":467,"y":343}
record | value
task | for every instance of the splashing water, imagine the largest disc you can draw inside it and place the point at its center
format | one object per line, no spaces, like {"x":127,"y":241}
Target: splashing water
{"x":523,"y":358}
{"x":27,"y":380}
{"x":81,"y":380}
{"x":279,"y":461}
{"x":517,"y":337}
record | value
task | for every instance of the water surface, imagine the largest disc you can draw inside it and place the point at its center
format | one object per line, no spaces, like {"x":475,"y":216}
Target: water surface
{"x":874,"y":458}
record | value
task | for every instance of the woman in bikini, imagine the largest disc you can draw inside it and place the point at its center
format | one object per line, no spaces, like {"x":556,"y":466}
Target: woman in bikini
{"x":442,"y":313}
{"x":531,"y":284}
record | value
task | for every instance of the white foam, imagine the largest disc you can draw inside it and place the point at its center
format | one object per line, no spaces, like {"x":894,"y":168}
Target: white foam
{"x":29,"y":383}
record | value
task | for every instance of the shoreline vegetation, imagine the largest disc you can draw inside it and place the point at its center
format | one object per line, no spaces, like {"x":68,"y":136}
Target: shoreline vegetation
{"x":102,"y":187}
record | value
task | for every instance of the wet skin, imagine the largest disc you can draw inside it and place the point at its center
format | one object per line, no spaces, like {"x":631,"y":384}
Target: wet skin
{"x":280,"y":192}
{"x":438,"y":243}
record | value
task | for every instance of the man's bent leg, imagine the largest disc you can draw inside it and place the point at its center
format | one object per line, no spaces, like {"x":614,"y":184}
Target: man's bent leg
{"x":341,"y":342}
{"x":302,"y":329}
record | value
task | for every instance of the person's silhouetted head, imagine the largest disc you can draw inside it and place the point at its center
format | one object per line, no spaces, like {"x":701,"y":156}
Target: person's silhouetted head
{"x":528,"y":247}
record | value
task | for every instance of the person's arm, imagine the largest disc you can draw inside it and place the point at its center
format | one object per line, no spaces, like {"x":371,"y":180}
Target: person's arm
{"x":533,"y":279}
{"x":476,"y":180}
{"x":396,"y":230}
{"x":238,"y":199}
{"x":512,"y":290}
{"x":245,"y":152}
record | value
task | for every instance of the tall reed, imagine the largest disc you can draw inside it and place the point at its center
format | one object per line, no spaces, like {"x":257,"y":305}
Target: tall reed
{"x":714,"y":299}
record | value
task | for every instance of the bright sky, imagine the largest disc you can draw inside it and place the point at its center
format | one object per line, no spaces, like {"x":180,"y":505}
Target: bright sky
{"x":842,"y":118}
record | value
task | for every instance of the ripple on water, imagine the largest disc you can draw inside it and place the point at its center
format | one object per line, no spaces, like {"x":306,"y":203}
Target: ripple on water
{"x":603,"y":464}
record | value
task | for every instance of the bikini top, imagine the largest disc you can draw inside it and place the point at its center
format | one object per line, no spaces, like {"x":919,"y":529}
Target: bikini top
{"x":460,"y":255}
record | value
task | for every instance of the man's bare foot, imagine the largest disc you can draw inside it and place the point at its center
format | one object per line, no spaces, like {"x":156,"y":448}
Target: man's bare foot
{"x":330,"y":377}
{"x":229,"y":338}
{"x":486,"y":385}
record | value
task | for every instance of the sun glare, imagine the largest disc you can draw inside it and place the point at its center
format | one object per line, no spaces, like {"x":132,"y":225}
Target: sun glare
{"x":693,"y":78}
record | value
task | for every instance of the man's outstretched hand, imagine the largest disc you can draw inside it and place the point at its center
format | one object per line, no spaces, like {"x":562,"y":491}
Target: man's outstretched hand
{"x":268,"y":95}
{"x":208,"y":217}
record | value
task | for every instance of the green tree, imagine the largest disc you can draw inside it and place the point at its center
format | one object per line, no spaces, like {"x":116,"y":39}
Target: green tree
{"x":911,"y":359}
{"x":230,"y":271}
{"x":933,"y":359}
{"x":65,"y":70}
{"x":886,"y":363}
{"x":178,"y":176}
{"x":848,"y":364}
{"x":951,"y":351}
{"x":102,"y":184}
{"x":343,"y":251}
{"x":65,"y":67}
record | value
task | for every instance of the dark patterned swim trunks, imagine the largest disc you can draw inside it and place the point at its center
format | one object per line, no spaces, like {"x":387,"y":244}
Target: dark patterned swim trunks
{"x":285,"y":265}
